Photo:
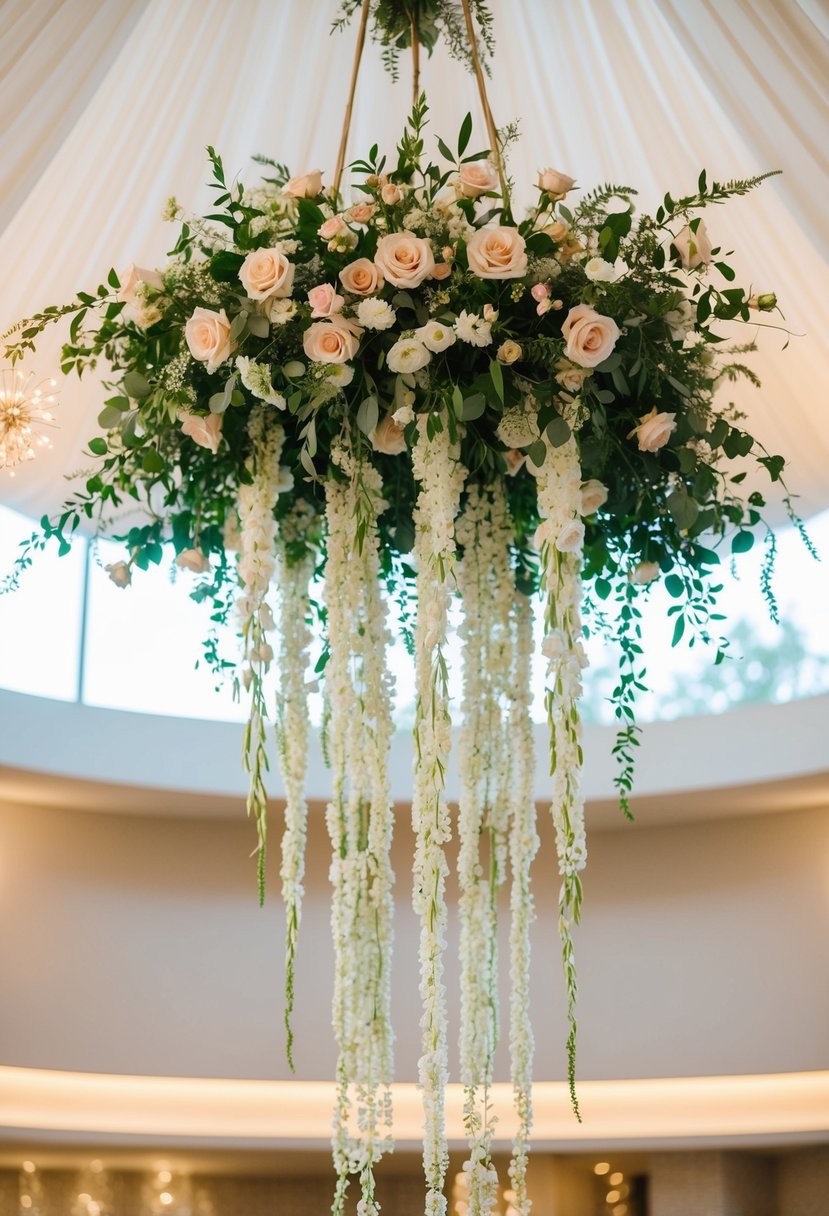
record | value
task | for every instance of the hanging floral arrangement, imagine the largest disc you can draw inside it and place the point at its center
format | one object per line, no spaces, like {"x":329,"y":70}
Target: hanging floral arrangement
{"x":326,"y":406}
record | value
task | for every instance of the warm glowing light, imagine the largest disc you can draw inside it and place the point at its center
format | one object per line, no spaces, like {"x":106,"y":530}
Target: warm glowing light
{"x":612,"y":1197}
{"x":29,"y":1167}
{"x":25,"y":1201}
{"x":621,"y":1209}
{"x":166,"y":1198}
{"x":509,"y":1196}
{"x":164,"y":1176}
{"x":93,"y":1208}
{"x":601,"y":1167}
{"x":84,"y":1197}
{"x":616,"y":1178}
{"x":96,"y":1166}
{"x":24,"y":410}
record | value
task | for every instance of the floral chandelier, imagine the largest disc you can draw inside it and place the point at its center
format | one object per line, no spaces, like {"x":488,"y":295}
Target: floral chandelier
{"x":412,"y":399}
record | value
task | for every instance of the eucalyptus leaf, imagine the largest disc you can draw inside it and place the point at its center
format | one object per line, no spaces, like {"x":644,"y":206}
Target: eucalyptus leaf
{"x":368,"y":414}
{"x":558,"y":431}
{"x":473,"y":407}
{"x":136,"y":386}
{"x":258,"y":325}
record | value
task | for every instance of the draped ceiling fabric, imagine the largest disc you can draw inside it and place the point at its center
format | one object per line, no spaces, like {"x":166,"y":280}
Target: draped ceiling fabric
{"x":107,"y":106}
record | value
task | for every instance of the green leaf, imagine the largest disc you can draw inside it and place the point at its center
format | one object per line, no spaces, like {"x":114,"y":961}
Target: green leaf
{"x":496,"y":375}
{"x":473,"y":407}
{"x":368,"y":414}
{"x":225,"y":266}
{"x":445,"y":152}
{"x":742,"y":541}
{"x":109,"y":417}
{"x":457,"y":401}
{"x":293,"y":369}
{"x":238,"y":326}
{"x":558,"y":431}
{"x":464,"y":136}
{"x":537,"y":452}
{"x":152,"y":462}
{"x":258,"y":325}
{"x":674,"y":585}
{"x":684,"y":510}
{"x":679,"y":630}
{"x":136,"y":385}
{"x":113,"y":280}
{"x":98,"y":446}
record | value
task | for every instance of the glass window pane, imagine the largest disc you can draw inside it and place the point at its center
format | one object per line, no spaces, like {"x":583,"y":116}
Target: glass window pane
{"x":40,"y":622}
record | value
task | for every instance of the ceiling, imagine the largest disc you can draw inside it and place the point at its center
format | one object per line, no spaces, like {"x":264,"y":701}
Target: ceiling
{"x":111,"y":103}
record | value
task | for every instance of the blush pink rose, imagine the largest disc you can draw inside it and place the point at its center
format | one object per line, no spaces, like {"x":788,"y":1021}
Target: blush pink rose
{"x":571,"y":537}
{"x":361,"y":213}
{"x":654,"y":430}
{"x":207,"y":334}
{"x":404,"y":259}
{"x":442,"y":270}
{"x":554,"y":182}
{"x":335,"y":340}
{"x":593,"y":496}
{"x":324,"y":301}
{"x":590,"y":337}
{"x":388,"y":437}
{"x":644,"y":573}
{"x":266,"y":274}
{"x":362,"y":277}
{"x":391,"y":194}
{"x":497,"y":253}
{"x":307,"y":185}
{"x":193,"y":560}
{"x":477,"y":177}
{"x":205,"y":431}
{"x":515,"y":460}
{"x":336,"y":226}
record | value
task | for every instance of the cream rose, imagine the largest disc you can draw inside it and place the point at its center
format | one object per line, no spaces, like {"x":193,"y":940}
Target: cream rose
{"x":694,"y":248}
{"x":362,"y":277}
{"x":497,"y":253}
{"x":508,"y":352}
{"x":593,"y":496}
{"x":134,"y":275}
{"x":554,"y":182}
{"x":388,"y":437}
{"x":477,"y":177}
{"x":206,"y":431}
{"x":120,"y":573}
{"x":644,"y":573}
{"x":207,"y":335}
{"x":441,"y":271}
{"x":324,"y":301}
{"x":307,"y":185}
{"x":333,"y":341}
{"x":654,"y":430}
{"x":404,"y":259}
{"x":193,"y":560}
{"x":266,"y":273}
{"x":590,"y":337}
{"x":132,"y":291}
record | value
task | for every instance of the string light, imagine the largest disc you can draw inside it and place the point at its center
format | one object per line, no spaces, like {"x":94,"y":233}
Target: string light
{"x":25,"y":408}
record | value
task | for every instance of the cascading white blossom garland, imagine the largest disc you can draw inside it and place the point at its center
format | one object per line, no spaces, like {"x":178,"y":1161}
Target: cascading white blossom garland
{"x":523,"y":846}
{"x":292,"y":731}
{"x":561,"y":537}
{"x":486,"y":582}
{"x":440,"y":476}
{"x":256,"y":565}
{"x":358,"y":688}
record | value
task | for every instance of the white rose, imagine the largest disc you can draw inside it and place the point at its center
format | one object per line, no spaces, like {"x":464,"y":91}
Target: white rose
{"x":497,"y":253}
{"x":600,"y":271}
{"x":280,"y":312}
{"x":407,"y":355}
{"x":654,"y":430}
{"x":477,"y":177}
{"x":554,"y":644}
{"x":593,"y":496}
{"x":404,"y":259}
{"x":207,"y":334}
{"x":590,"y":337}
{"x":694,"y":248}
{"x":434,"y":336}
{"x":266,"y":273}
{"x":388,"y":437}
{"x":307,"y":185}
{"x":333,"y":341}
{"x":571,"y":537}
{"x":374,"y":313}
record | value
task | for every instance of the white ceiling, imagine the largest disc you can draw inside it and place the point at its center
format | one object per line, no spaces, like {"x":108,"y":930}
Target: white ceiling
{"x":111,"y":103}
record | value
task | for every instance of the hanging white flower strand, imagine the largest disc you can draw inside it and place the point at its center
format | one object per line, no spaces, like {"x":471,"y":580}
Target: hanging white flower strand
{"x":523,"y":846}
{"x":561,"y":537}
{"x":294,"y":573}
{"x":440,"y":475}
{"x":486,"y":583}
{"x":256,"y":565}
{"x":358,"y":688}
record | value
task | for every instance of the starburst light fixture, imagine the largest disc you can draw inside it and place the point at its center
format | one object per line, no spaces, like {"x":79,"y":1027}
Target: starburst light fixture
{"x":24,"y":410}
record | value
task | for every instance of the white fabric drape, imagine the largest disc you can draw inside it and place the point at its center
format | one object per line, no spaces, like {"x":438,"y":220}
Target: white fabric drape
{"x":105,"y":123}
